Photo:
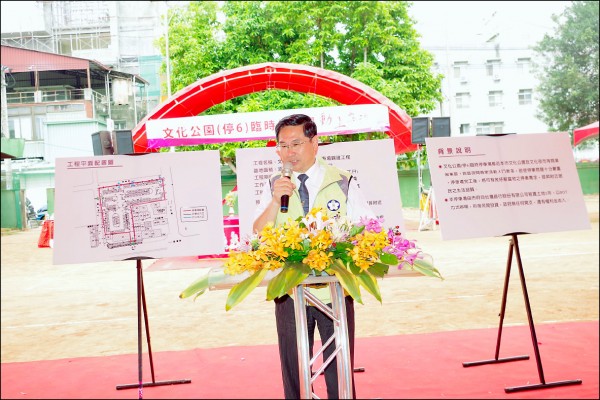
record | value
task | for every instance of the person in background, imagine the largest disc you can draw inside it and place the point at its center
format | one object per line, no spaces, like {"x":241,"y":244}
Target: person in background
{"x":334,"y":191}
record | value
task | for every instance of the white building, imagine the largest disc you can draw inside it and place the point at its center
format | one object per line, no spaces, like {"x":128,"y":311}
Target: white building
{"x":484,"y":50}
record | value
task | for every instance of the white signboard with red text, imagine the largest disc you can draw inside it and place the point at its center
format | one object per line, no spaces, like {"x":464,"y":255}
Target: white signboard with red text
{"x":117,"y":207}
{"x":338,"y":120}
{"x":371,"y":162}
{"x":487,"y":186}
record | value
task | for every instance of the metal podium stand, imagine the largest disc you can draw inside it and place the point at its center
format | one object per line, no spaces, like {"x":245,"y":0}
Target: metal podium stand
{"x":218,"y":280}
{"x":337,"y":312}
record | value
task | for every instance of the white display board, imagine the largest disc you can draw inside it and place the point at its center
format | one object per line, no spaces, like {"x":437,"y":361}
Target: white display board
{"x":117,"y":207}
{"x":371,"y":162}
{"x":487,"y":186}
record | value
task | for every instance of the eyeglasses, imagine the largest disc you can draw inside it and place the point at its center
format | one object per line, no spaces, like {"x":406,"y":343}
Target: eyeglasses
{"x":292,"y":146}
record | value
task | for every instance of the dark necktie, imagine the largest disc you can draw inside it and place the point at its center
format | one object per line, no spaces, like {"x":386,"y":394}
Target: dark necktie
{"x":303,"y":192}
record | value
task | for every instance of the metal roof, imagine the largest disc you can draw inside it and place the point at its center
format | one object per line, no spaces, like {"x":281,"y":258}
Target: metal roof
{"x":26,"y":60}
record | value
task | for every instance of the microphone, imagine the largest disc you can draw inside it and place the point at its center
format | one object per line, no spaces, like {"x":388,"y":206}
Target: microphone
{"x":286,"y":171}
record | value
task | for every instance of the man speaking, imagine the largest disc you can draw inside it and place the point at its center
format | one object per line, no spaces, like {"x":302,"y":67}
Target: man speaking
{"x":311,"y":183}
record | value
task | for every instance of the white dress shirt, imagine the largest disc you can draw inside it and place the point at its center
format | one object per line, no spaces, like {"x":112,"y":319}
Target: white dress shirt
{"x":357,"y":206}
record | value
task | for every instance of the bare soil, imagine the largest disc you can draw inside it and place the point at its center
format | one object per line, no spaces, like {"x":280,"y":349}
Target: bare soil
{"x":80,"y":310}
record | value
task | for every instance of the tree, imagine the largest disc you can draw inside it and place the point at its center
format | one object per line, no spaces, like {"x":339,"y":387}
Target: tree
{"x":373,"y":42}
{"x":569,"y":77}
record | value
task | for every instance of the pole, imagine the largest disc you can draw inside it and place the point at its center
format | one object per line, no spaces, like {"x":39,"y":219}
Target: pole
{"x":5,"y":132}
{"x":168,"y":61}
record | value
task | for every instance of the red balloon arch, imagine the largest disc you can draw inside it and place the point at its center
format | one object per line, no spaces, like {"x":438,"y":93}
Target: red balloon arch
{"x":226,"y":85}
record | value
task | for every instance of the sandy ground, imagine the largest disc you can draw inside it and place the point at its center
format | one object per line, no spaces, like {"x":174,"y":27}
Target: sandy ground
{"x":58,"y":311}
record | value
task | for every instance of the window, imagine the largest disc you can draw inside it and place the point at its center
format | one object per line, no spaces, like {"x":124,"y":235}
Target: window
{"x":120,"y":124}
{"x":460,"y":68}
{"x":69,"y":43}
{"x":524,"y":64}
{"x":463,"y":100}
{"x":11,"y":129}
{"x":495,"y":98}
{"x":486,"y":128}
{"x":40,"y":127}
{"x":492,"y":68}
{"x":525,"y":96}
{"x":465,"y":129}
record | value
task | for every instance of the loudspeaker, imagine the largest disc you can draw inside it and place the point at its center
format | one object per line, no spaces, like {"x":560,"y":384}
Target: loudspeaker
{"x":122,"y":142}
{"x":102,"y":143}
{"x":440,"y":127}
{"x":420,"y":130}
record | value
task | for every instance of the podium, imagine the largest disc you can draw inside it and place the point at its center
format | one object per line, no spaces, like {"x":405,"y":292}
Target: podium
{"x":339,"y":339}
{"x":218,"y":280}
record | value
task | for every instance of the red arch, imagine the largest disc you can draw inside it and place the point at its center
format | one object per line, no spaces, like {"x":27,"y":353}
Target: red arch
{"x":222,"y":86}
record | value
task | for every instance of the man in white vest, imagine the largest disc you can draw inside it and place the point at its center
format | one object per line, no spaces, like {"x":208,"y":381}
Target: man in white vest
{"x":312,"y":183}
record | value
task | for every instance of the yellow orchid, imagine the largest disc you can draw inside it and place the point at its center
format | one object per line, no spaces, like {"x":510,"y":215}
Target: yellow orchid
{"x":317,"y":244}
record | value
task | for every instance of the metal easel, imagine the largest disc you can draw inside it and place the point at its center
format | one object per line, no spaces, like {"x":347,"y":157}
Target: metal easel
{"x":141,"y":307}
{"x":514,"y":245}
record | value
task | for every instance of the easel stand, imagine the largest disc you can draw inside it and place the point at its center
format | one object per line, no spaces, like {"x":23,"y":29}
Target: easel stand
{"x":337,"y":312}
{"x":141,"y":306}
{"x":514,"y":245}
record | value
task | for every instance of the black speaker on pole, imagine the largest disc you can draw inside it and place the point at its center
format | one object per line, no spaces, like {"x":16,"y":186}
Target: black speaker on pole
{"x":102,"y":143}
{"x":420,"y":130}
{"x":440,"y":127}
{"x":122,"y":141}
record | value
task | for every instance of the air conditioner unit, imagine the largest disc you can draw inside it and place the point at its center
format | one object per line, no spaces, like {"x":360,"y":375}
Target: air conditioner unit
{"x":496,"y":78}
{"x":463,"y":79}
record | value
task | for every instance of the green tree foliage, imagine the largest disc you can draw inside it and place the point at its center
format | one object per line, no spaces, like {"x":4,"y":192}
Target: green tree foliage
{"x":372,"y":42}
{"x":569,"y":78}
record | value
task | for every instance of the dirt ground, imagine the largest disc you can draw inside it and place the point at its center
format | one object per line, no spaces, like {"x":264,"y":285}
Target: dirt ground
{"x":80,"y":310}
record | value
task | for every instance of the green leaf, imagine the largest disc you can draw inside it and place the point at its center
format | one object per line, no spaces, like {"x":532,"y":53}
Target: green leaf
{"x":291,"y":275}
{"x":198,"y":287}
{"x":355,"y":230}
{"x":379,"y":270}
{"x":347,"y":280}
{"x":369,"y":282}
{"x":350,"y":266}
{"x":426,"y":268}
{"x":389,"y":259}
{"x":239,"y":291}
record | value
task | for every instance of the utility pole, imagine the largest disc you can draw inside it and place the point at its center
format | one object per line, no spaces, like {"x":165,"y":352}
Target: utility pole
{"x":5,"y":132}
{"x":168,"y":60}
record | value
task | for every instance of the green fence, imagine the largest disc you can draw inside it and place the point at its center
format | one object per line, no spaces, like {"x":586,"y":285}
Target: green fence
{"x":588,"y":177}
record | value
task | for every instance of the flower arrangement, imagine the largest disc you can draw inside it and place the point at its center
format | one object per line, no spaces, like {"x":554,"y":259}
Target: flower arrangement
{"x":357,"y":254}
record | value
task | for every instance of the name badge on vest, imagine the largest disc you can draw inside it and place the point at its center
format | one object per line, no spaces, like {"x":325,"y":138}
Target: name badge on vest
{"x":333,"y":205}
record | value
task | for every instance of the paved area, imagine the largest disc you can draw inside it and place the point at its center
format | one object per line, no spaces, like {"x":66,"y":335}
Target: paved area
{"x":57,"y":311}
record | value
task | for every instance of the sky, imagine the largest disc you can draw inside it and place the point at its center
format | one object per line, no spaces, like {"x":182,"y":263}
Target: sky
{"x":21,"y":16}
{"x":440,"y":23}
{"x":452,"y":23}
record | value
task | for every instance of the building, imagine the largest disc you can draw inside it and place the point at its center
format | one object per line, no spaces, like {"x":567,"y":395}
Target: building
{"x":51,"y":106}
{"x":119,"y":34}
{"x":485,"y":53}
{"x":71,"y":69}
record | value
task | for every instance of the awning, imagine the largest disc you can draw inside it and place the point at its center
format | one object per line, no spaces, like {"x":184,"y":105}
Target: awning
{"x":585,"y":132}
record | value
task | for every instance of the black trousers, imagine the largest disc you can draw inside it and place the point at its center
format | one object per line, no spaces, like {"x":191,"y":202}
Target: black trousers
{"x":288,"y":348}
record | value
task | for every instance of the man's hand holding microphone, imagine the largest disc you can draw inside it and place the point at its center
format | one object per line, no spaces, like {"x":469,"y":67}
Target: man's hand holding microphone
{"x":284,"y":187}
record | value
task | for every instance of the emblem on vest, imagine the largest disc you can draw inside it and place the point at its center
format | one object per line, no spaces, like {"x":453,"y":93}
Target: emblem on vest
{"x":333,"y":205}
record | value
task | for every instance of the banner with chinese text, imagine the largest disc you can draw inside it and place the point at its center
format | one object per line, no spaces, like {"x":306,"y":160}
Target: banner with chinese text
{"x":187,"y":131}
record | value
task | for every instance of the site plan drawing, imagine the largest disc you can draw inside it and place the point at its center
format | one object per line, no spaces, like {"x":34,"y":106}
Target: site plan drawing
{"x":119,"y":207}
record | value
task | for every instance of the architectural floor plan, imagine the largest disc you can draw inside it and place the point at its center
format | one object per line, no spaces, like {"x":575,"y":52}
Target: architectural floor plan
{"x":121,"y":207}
